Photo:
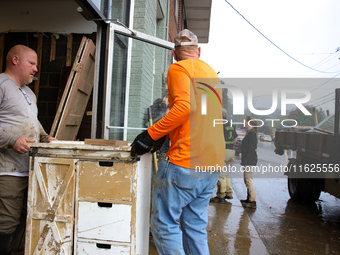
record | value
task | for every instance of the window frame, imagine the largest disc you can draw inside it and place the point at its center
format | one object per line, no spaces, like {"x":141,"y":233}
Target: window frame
{"x":121,"y":30}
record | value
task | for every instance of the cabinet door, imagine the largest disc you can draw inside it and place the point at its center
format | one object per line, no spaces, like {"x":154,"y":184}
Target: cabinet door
{"x":50,"y":206}
{"x":109,"y":182}
{"x":108,"y":223}
{"x":101,"y":248}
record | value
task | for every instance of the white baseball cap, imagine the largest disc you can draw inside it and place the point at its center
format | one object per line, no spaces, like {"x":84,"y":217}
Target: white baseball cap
{"x":188,"y":34}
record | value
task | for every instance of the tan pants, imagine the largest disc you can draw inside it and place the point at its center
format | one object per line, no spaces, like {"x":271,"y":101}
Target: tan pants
{"x":13,"y":202}
{"x":224,"y":185}
{"x":248,"y":181}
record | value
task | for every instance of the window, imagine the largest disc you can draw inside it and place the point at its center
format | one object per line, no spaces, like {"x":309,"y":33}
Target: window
{"x":130,"y":81}
{"x":118,"y":85}
{"x":120,"y":9}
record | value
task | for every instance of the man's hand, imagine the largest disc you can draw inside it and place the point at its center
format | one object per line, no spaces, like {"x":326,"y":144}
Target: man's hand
{"x":142,"y":144}
{"x":21,"y":145}
{"x":158,"y":144}
{"x":52,"y":139}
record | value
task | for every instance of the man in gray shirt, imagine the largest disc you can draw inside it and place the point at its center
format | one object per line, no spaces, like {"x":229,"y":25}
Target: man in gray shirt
{"x":19,"y":125}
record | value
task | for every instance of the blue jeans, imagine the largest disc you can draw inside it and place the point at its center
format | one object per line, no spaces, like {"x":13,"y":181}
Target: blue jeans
{"x":181,"y":195}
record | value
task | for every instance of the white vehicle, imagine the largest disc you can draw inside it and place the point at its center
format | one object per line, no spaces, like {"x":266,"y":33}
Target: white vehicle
{"x":267,"y":138}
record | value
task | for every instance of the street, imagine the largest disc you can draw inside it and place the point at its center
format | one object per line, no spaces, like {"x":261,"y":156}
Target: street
{"x":279,"y":225}
{"x":285,"y":226}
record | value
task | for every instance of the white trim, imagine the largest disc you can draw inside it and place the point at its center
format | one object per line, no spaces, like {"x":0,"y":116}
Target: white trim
{"x":125,"y":128}
{"x":128,"y":72}
{"x":108,"y":78}
{"x":119,"y":29}
{"x":95,"y":84}
{"x":143,"y":37}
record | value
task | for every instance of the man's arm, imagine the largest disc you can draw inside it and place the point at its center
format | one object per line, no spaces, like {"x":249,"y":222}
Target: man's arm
{"x":14,"y":142}
{"x":21,"y":145}
{"x":44,"y":137}
{"x":179,"y":89}
{"x":7,"y":139}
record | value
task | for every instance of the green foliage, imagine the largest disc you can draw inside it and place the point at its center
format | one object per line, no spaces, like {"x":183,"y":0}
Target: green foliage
{"x":306,"y":120}
{"x":225,"y":99}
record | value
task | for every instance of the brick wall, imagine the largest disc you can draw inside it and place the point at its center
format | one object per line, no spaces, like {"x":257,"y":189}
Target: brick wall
{"x":175,"y":24}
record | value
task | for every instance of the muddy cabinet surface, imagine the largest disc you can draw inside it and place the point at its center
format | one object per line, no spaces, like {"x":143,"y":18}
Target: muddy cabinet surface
{"x":86,"y":199}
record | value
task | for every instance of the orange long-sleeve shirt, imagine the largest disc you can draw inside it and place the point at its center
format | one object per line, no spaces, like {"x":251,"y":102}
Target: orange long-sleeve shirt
{"x":195,"y":142}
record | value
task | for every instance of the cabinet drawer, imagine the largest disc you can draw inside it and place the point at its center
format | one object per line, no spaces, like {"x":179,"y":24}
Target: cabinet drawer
{"x":100,"y":248}
{"x":105,"y":180}
{"x":104,"y":221}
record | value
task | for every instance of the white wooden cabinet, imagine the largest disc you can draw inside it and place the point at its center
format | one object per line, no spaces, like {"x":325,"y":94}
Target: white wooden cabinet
{"x":87,"y":199}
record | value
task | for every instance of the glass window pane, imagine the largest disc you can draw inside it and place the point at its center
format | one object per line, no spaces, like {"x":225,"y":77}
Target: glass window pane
{"x":118,"y":86}
{"x":114,"y":9}
{"x":120,"y":10}
{"x":136,"y":86}
{"x":97,"y":3}
{"x":101,"y":5}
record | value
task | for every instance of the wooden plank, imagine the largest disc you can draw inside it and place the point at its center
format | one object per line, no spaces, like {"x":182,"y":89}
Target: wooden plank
{"x":2,"y":51}
{"x":67,"y":88}
{"x":69,"y":50}
{"x":53,"y":48}
{"x":39,"y":53}
{"x":106,"y":142}
{"x":79,"y":95}
{"x":74,"y":119}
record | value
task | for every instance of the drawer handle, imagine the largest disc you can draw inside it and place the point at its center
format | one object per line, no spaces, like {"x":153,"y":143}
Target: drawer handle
{"x":105,"y":163}
{"x":103,"y":246}
{"x":101,"y":204}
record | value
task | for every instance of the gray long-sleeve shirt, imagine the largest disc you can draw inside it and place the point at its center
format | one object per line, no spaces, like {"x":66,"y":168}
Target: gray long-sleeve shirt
{"x":18,"y":117}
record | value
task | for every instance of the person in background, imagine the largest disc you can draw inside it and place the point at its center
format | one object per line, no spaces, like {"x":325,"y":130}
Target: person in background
{"x":159,"y":109}
{"x":249,"y":160}
{"x":181,"y":191}
{"x":19,"y":126}
{"x":224,"y":189}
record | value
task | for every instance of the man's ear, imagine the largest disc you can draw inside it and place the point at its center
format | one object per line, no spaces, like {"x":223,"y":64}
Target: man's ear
{"x":15,"y":60}
{"x":199,"y":52}
{"x":174,"y":54}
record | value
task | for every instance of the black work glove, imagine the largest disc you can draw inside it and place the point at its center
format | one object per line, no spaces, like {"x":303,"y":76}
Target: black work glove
{"x":142,"y":144}
{"x":158,"y":144}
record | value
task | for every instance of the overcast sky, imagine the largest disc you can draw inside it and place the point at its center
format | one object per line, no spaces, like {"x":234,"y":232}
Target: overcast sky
{"x":307,"y":30}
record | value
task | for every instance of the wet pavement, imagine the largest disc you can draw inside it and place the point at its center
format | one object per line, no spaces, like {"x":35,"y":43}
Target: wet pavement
{"x":279,"y":225}
{"x":230,"y":231}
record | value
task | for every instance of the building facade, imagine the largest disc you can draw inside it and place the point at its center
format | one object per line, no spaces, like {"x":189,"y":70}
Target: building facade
{"x":133,"y":41}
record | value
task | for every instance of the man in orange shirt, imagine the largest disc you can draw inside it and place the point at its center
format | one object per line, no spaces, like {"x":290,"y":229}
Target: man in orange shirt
{"x":186,"y":180}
